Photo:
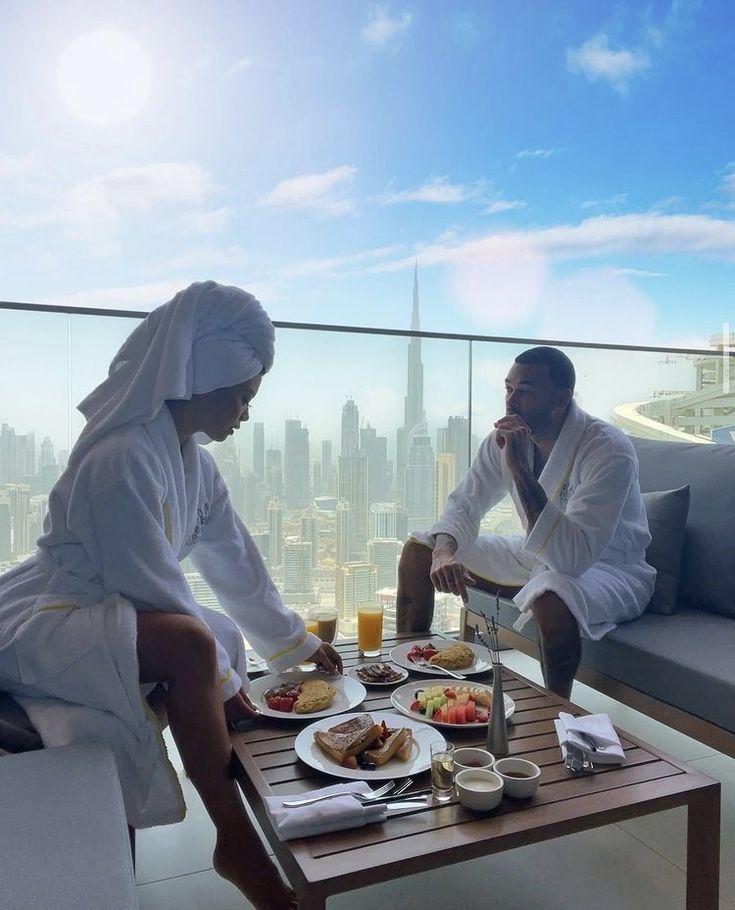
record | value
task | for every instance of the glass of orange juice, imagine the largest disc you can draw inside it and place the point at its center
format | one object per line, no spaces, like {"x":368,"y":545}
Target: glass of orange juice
{"x":370,"y":629}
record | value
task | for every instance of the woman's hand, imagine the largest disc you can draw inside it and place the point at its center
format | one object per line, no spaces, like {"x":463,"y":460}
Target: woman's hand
{"x":240,"y":707}
{"x":327,"y":659}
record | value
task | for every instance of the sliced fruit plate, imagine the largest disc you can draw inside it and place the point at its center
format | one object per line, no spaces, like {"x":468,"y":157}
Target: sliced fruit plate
{"x":456,"y":705}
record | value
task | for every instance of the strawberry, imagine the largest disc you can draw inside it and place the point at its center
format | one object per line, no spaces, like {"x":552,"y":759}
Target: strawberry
{"x":350,"y":762}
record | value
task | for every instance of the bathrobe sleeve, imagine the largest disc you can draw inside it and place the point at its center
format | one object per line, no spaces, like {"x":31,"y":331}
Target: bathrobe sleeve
{"x":482,"y":487}
{"x":232,"y":566}
{"x":126,"y":541}
{"x":573,"y":540}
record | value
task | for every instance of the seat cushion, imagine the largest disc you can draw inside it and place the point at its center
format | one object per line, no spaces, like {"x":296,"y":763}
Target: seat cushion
{"x":667,"y":512}
{"x":684,"y":660}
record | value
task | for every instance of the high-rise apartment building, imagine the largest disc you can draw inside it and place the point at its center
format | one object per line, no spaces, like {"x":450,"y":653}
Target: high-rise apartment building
{"x":5,"y":548}
{"x":353,"y":487}
{"x":356,"y":583}
{"x":274,"y":473}
{"x":376,"y":449}
{"x":310,"y":534}
{"x":420,"y":484}
{"x":329,"y":478}
{"x":350,"y":428}
{"x":446,"y":473}
{"x":275,"y":533}
{"x":343,"y":532}
{"x":259,"y":450}
{"x":388,"y":520}
{"x":296,"y":465}
{"x":455,"y":438}
{"x":19,"y":498}
{"x":383,"y":554}
{"x":298,"y":567}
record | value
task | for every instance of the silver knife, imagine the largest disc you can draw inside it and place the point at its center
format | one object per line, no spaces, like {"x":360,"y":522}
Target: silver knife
{"x":389,"y":798}
{"x":421,"y":803}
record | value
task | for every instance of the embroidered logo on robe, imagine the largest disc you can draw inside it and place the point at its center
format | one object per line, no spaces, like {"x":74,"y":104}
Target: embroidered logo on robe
{"x":202,"y":513}
{"x":565,"y":495}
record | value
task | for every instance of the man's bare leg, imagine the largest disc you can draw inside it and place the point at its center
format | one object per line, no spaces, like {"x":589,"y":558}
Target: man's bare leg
{"x":180,"y":651}
{"x":415,"y":596}
{"x":559,"y":643}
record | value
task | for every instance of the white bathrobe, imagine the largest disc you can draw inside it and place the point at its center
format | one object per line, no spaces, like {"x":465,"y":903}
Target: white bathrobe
{"x":130,"y":506}
{"x":588,"y":544}
{"x":118,"y":526}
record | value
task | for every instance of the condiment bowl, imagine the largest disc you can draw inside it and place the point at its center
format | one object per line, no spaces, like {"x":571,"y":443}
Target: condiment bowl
{"x":470,"y":757}
{"x":479,"y":789}
{"x":520,"y":777}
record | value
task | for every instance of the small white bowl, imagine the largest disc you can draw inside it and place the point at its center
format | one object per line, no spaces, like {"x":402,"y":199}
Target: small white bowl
{"x":518,"y":787}
{"x":479,"y":789}
{"x":472,"y":758}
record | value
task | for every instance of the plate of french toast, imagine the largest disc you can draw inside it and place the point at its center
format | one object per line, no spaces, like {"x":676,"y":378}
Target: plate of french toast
{"x":367,"y":746}
{"x":431,"y":654}
{"x":300,"y":696}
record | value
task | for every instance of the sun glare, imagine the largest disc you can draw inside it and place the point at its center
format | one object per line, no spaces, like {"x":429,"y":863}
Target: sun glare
{"x":104,"y":77}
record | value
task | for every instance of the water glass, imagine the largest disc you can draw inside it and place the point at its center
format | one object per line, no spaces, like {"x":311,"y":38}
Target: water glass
{"x":442,"y":770}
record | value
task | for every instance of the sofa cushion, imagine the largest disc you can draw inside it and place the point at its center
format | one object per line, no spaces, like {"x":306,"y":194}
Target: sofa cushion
{"x":667,"y":512}
{"x":706,"y":583}
{"x":684,"y":660}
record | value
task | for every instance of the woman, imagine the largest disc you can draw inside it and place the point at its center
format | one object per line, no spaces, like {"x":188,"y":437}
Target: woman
{"x":103,"y":606}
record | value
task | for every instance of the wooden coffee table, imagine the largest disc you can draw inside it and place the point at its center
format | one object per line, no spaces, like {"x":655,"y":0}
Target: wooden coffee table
{"x":420,"y":839}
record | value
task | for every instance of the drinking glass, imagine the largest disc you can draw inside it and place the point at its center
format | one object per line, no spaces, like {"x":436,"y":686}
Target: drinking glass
{"x":370,"y":629}
{"x":442,"y":770}
{"x":322,"y":621}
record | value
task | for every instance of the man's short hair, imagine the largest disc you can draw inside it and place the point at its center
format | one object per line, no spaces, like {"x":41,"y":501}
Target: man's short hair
{"x":560,"y":366}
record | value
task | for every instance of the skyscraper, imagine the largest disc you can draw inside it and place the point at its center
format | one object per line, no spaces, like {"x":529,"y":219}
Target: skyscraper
{"x":275,"y":533}
{"x":343,"y":532}
{"x":298,"y":568}
{"x":329,"y":486}
{"x":383,"y":554}
{"x":420,"y":484}
{"x":376,"y":449}
{"x":388,"y":520}
{"x":350,"y":428}
{"x":259,"y":450}
{"x":274,"y":473}
{"x":446,"y":473}
{"x":454,"y":438}
{"x":414,"y":418}
{"x":353,"y":487}
{"x":296,"y":465}
{"x":355,"y":583}
{"x":310,"y":534}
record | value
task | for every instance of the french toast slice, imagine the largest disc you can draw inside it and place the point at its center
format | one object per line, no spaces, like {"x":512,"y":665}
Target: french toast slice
{"x":348,"y":738}
{"x":390,"y":747}
{"x":404,"y":753}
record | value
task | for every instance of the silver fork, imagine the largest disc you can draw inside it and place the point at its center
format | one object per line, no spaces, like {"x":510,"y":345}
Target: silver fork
{"x":423,"y":662}
{"x":594,"y":745}
{"x":376,"y":794}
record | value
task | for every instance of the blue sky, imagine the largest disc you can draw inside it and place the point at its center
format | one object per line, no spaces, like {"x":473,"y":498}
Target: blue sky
{"x":559,"y":169}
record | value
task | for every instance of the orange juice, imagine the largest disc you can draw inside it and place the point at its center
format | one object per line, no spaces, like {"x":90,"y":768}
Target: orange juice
{"x":370,"y":630}
{"x":312,"y":625}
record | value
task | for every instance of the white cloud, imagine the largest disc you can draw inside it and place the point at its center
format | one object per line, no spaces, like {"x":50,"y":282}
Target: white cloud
{"x":537,"y":153}
{"x":243,"y":63}
{"x":202,"y":259}
{"x":438,"y":190}
{"x":210,"y":222}
{"x":92,"y":210}
{"x":325,"y":193}
{"x":596,"y":60}
{"x":504,"y":205}
{"x":382,"y":28}
{"x":614,"y":201}
{"x":14,"y":166}
{"x":136,"y":297}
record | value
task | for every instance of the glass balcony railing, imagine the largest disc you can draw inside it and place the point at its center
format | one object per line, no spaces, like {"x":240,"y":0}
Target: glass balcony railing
{"x":356,"y":437}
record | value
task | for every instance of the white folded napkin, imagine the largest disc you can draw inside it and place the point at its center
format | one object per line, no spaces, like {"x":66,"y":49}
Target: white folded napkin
{"x":599,"y":727}
{"x":328,"y":815}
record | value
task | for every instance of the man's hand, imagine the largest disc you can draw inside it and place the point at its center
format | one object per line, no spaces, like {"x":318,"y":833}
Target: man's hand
{"x":514,"y":437}
{"x":239,"y":707}
{"x":327,"y":659}
{"x":447,"y":574}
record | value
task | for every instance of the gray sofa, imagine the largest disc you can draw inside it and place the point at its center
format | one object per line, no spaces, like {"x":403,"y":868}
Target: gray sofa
{"x":677,"y":668}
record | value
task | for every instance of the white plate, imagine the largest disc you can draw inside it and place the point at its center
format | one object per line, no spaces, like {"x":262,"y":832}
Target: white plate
{"x":482,"y":663}
{"x":350,"y":693}
{"x":403,"y":698}
{"x":400,"y":670}
{"x":420,"y":759}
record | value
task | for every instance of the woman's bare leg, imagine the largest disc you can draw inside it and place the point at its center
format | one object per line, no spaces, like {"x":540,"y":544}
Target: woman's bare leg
{"x":180,"y":651}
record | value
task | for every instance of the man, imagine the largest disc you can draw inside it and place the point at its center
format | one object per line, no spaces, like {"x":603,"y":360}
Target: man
{"x":580,"y":567}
